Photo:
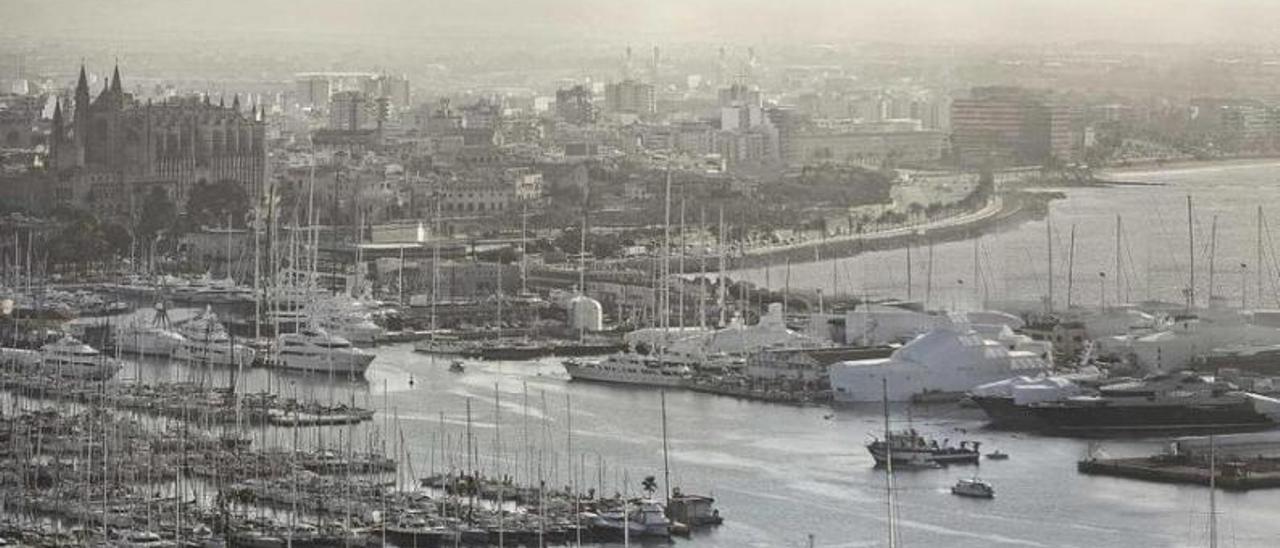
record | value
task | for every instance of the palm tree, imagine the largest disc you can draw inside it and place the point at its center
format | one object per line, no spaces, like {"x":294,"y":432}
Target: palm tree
{"x":650,"y":485}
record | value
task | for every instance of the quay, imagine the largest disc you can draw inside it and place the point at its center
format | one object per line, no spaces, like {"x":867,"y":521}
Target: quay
{"x":1236,"y":475}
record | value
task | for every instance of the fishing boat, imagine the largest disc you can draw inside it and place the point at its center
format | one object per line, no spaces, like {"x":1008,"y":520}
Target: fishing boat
{"x":908,"y":447}
{"x":997,"y":455}
{"x":314,"y":349}
{"x":68,"y":357}
{"x":973,"y":488}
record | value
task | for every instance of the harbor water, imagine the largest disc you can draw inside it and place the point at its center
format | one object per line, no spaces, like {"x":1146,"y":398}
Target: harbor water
{"x":779,"y":473}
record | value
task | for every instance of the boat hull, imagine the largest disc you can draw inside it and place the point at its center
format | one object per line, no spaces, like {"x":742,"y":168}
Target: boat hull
{"x":1102,"y":419}
{"x":337,"y":363}
{"x":581,"y":373}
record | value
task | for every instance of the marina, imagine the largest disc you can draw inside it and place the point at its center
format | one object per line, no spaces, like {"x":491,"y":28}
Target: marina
{"x":494,"y":440}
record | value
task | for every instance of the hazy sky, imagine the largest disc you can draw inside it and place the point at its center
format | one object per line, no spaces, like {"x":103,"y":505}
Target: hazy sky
{"x":1004,"y":21}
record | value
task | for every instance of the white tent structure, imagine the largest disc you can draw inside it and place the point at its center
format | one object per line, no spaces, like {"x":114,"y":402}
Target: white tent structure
{"x":946,"y":360}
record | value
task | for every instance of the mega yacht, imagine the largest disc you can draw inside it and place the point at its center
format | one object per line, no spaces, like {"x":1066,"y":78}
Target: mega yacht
{"x":631,"y":368}
{"x":206,"y":341}
{"x":314,"y":349}
{"x":68,"y":357}
{"x":1173,"y":402}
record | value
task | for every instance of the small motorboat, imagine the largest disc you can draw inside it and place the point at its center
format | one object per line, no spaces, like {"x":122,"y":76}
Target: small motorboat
{"x":456,"y":367}
{"x":974,"y":488}
{"x":997,"y":455}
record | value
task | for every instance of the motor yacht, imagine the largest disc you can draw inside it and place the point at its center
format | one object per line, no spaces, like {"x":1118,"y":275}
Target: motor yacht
{"x":314,"y":349}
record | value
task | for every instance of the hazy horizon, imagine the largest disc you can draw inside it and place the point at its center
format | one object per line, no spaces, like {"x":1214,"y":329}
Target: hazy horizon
{"x":742,"y":21}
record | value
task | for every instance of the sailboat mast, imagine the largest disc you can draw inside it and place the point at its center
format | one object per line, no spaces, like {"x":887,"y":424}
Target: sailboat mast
{"x":1213,"y":494}
{"x":977,"y":272}
{"x":1191,"y":248}
{"x":435,"y":265}
{"x":1048,"y":240}
{"x":1071,"y":266}
{"x":720,"y":236}
{"x":680,"y":267}
{"x":1258,"y":251}
{"x":888,"y":467}
{"x":928,"y":277}
{"x":1213,"y":253}
{"x":1119,"y":272}
{"x":666,"y":253}
{"x":908,"y":271}
{"x":524,"y":226}
{"x":666,"y":462}
{"x":582,"y":255}
{"x":702,"y":268}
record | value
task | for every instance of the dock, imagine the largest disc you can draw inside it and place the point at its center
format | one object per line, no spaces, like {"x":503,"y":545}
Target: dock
{"x":1234,"y":475}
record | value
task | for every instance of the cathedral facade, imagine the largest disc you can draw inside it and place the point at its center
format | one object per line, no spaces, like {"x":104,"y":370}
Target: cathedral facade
{"x":114,"y":149}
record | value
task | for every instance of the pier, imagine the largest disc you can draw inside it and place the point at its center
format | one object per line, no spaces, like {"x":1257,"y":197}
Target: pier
{"x":1240,"y":475}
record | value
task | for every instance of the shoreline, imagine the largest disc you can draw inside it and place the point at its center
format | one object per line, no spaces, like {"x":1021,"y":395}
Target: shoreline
{"x":1014,"y":207}
{"x":1187,"y":165}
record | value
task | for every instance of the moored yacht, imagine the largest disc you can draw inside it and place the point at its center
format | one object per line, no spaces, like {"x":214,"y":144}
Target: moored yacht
{"x":440,"y":343}
{"x":1174,"y":402}
{"x":631,"y":368}
{"x":154,"y":339}
{"x":314,"y":349}
{"x":648,"y":519}
{"x":206,"y":341}
{"x":68,"y":357}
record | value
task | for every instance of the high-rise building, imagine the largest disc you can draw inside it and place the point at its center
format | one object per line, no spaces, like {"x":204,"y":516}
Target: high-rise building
{"x":575,"y":105}
{"x":1011,"y":126}
{"x":351,"y":111}
{"x":739,"y":95}
{"x":116,"y":149}
{"x":630,"y":96}
{"x":313,"y":90}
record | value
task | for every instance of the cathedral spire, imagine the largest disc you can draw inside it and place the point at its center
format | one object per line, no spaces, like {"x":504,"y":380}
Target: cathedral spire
{"x":82,"y":85}
{"x":57,"y":118}
{"x":115,"y":80}
{"x":235,"y":102}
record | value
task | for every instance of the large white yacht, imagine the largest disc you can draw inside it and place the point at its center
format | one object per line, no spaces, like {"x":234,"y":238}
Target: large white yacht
{"x":153,"y":339}
{"x":206,"y":341}
{"x":314,"y":349}
{"x":68,"y":357}
{"x":632,"y":368}
{"x":222,"y":291}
